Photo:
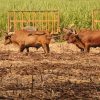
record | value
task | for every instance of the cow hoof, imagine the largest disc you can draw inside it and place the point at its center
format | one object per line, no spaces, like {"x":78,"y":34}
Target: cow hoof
{"x":26,"y":54}
{"x":46,"y":54}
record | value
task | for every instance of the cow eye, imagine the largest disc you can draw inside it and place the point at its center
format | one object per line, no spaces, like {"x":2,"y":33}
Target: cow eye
{"x":6,"y":37}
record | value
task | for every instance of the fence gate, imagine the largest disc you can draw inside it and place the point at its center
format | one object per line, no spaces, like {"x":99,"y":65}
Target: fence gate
{"x":43,"y":20}
{"x":96,"y":19}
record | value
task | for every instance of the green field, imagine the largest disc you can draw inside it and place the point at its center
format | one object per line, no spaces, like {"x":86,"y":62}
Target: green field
{"x":78,"y":12}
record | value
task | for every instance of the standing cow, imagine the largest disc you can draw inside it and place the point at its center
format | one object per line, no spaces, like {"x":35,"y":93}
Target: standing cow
{"x":88,"y":38}
{"x":26,"y":39}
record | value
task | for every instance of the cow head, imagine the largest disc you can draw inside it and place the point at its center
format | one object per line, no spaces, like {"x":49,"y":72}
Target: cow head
{"x":7,"y":38}
{"x":75,"y":39}
{"x":72,"y":38}
{"x":68,"y":32}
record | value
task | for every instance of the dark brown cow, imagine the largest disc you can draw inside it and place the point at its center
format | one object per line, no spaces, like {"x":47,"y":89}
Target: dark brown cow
{"x":88,"y":38}
{"x":75,"y":40}
{"x":26,"y":39}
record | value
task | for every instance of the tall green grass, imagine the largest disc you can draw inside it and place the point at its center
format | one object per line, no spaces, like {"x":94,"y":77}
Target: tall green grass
{"x":76,"y":12}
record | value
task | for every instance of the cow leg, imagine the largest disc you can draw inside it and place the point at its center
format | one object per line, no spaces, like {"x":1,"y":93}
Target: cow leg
{"x":27,"y":50}
{"x":22,"y":48}
{"x":87,"y":48}
{"x":48,"y":49}
{"x":44,"y":46}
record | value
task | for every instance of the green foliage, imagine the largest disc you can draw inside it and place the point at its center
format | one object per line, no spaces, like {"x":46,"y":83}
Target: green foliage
{"x":78,"y":12}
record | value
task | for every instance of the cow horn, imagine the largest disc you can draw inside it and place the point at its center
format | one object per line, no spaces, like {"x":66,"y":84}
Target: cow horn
{"x":10,"y":33}
{"x":74,"y":31}
{"x":71,"y":26}
{"x":64,"y":29}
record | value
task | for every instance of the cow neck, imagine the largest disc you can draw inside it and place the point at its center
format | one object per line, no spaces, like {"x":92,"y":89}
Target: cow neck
{"x":79,"y":40}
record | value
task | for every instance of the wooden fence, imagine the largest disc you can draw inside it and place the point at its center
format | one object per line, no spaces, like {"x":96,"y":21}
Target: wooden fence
{"x":43,"y":20}
{"x":96,"y":19}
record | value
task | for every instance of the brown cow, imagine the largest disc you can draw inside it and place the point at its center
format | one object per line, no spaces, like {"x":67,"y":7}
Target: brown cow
{"x":75,"y":40}
{"x":89,"y":38}
{"x":26,"y":39}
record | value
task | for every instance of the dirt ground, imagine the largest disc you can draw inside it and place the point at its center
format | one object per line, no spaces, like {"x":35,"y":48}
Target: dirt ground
{"x":65,"y":74}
